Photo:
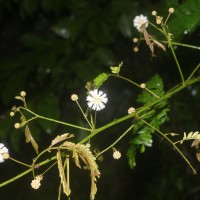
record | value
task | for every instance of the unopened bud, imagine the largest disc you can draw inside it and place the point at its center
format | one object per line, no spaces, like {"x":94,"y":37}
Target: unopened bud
{"x":154,"y":13}
{"x":17,"y":125}
{"x":171,"y":10}
{"x":12,"y":114}
{"x":74,"y":97}
{"x":23,"y":94}
{"x":142,"y":85}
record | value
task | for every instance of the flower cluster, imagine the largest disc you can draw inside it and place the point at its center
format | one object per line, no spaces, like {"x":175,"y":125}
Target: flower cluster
{"x":4,"y":154}
{"x":159,"y":19}
{"x":35,"y":184}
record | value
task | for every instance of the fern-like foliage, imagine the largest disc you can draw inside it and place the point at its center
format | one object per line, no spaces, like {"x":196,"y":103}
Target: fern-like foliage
{"x":155,"y":115}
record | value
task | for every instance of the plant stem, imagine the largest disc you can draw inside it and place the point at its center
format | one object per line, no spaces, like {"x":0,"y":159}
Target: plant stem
{"x":56,"y":121}
{"x":157,"y":28}
{"x":177,"y":63}
{"x":84,"y":115}
{"x":196,"y":68}
{"x":183,"y":45}
{"x":26,"y":172}
{"x":134,"y":83}
{"x":116,"y":141}
{"x":174,"y":146}
{"x":19,"y":162}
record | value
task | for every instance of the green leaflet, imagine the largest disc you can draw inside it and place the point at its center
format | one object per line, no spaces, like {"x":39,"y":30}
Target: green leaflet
{"x":155,"y":115}
{"x":116,"y":69}
{"x":100,"y":79}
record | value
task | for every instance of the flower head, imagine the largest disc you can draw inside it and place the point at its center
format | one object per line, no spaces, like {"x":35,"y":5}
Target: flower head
{"x":74,"y":97}
{"x":131,"y":110}
{"x":159,"y":20}
{"x":4,"y":154}
{"x":116,"y":155}
{"x":140,"y":20}
{"x":17,"y":125}
{"x":96,"y":100}
{"x":35,"y":184}
{"x":171,"y":10}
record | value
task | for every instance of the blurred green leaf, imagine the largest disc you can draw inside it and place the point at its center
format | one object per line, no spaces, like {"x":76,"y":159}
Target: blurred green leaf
{"x":126,"y":25}
{"x":32,"y":41}
{"x":185,"y":19}
{"x":28,"y":7}
{"x":103,"y":56}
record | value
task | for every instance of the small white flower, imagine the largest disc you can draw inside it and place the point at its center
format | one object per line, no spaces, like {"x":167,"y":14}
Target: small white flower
{"x":35,"y":184}
{"x":131,"y":110}
{"x":3,"y":152}
{"x":116,"y":155}
{"x":96,"y":100}
{"x":138,"y":21}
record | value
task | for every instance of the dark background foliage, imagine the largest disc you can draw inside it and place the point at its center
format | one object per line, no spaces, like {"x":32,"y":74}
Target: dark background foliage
{"x":51,"y":49}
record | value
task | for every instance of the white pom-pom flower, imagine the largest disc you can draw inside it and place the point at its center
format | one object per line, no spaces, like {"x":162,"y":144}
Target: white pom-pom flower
{"x":140,"y":20}
{"x":116,"y":155}
{"x":96,"y":100}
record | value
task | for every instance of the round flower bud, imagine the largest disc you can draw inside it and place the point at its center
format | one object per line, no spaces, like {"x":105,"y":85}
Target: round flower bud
{"x":171,"y":10}
{"x":23,"y":94}
{"x":135,"y":40}
{"x":17,"y":125}
{"x":142,"y":85}
{"x":135,"y":49}
{"x":74,"y":97}
{"x":154,"y":13}
{"x":12,"y":114}
{"x":131,"y":110}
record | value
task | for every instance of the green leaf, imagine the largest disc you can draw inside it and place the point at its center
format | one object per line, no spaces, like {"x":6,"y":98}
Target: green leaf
{"x":185,"y":19}
{"x":156,"y":86}
{"x":131,"y":153}
{"x":99,"y":80}
{"x":142,"y":148}
{"x":155,"y":116}
{"x":116,"y":70}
